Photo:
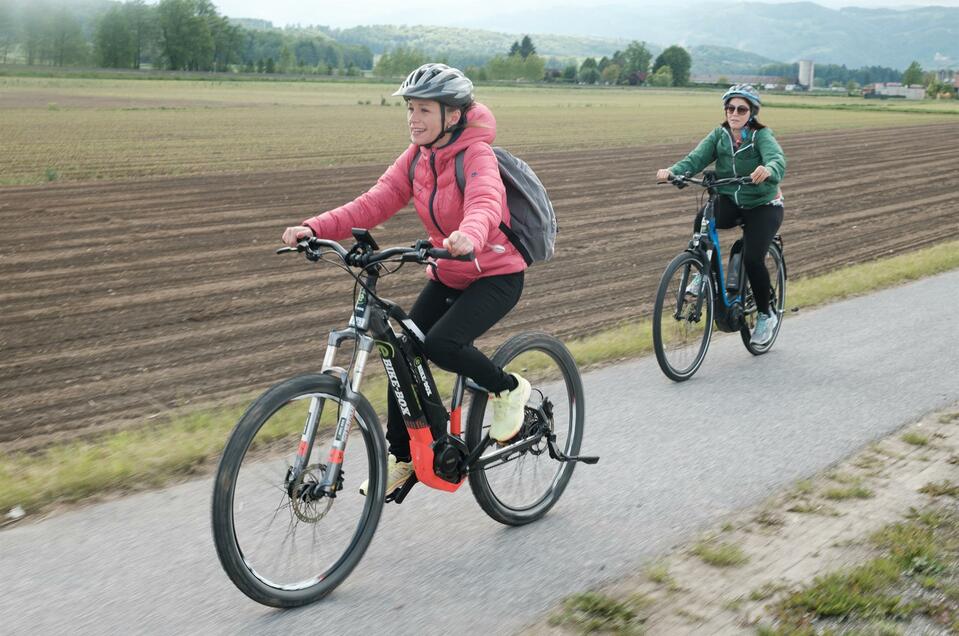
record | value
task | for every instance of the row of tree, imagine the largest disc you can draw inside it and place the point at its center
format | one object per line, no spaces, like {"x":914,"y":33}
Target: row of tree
{"x":171,"y":34}
{"x":629,"y":67}
{"x":835,"y":74}
{"x":935,"y":87}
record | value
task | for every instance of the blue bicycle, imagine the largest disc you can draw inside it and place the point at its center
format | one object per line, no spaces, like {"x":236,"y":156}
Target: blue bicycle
{"x":686,"y":306}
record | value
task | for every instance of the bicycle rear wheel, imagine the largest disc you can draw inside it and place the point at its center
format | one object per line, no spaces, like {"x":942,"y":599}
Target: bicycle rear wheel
{"x":682,"y":322}
{"x":521,"y":486}
{"x":777,"y":300}
{"x":279,"y":545}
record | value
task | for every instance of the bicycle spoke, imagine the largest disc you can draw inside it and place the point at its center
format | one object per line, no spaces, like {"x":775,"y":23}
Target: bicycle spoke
{"x":294,"y":545}
{"x":522,"y":486}
{"x":682,"y":327}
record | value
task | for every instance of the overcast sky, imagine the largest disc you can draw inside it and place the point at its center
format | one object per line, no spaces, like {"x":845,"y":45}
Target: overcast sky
{"x":340,"y":13}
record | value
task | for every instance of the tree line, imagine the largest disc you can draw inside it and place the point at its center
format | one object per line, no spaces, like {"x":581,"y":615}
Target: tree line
{"x":633,"y":66}
{"x":171,"y":34}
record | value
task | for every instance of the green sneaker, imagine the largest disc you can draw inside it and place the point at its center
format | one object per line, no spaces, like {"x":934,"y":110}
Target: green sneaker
{"x":508,"y":410}
{"x":397,"y":472}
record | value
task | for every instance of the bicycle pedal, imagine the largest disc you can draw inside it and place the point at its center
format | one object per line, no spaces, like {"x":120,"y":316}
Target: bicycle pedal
{"x":398,"y":495}
{"x":586,"y":459}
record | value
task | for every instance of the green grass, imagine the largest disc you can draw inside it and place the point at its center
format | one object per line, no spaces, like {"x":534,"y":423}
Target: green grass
{"x":915,"y":439}
{"x":921,"y":107}
{"x":853,"y":491}
{"x":159,"y":453}
{"x":866,"y":277}
{"x":913,"y":573}
{"x":720,"y":555}
{"x":591,"y":612}
{"x":943,"y":488}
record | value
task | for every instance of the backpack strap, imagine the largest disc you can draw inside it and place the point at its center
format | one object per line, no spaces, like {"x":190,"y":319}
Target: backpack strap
{"x":460,"y":171}
{"x":416,"y":158}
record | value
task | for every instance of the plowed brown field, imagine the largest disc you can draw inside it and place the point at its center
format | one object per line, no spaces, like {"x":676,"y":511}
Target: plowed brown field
{"x":122,"y":300}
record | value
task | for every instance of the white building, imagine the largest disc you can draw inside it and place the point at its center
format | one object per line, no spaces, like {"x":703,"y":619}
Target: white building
{"x":807,"y":73}
{"x":884,"y":90}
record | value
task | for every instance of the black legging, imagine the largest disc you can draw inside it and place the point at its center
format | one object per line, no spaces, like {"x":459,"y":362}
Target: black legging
{"x":760,"y":225}
{"x":452,"y":319}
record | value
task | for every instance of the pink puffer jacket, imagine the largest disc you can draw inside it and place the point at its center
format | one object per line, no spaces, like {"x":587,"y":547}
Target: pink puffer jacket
{"x":442,"y":208}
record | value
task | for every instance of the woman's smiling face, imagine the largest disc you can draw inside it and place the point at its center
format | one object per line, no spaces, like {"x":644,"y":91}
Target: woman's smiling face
{"x":423,"y":117}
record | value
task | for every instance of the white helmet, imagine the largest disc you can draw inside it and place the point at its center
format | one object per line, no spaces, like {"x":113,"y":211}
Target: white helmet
{"x":438,"y":82}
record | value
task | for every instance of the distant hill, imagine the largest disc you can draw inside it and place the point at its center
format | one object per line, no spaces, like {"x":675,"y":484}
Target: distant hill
{"x":465,"y":47}
{"x":789,"y":32}
{"x":721,"y":60}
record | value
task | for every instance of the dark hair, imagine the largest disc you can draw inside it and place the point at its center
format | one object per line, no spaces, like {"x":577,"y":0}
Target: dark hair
{"x":753,"y":123}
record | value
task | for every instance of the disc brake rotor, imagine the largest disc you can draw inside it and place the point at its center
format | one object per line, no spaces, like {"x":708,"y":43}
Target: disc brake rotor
{"x":307,"y":507}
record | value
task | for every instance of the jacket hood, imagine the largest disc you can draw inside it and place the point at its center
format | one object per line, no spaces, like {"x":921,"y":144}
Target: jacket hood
{"x":480,"y":127}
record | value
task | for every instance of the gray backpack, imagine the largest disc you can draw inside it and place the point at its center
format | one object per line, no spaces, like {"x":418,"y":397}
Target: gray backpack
{"x":533,"y":220}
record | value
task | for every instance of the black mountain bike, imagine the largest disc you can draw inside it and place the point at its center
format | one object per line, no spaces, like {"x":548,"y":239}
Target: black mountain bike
{"x":289,"y":523}
{"x":686,"y":305}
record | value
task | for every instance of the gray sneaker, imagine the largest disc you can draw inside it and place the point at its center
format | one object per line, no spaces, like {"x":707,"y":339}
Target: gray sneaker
{"x":765,"y":328}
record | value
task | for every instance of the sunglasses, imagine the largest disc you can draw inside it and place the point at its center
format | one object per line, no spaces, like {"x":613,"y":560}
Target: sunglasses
{"x":741,"y":110}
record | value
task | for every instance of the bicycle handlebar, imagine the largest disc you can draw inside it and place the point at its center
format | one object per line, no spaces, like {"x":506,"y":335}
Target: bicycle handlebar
{"x":420,"y":252}
{"x":681,"y":181}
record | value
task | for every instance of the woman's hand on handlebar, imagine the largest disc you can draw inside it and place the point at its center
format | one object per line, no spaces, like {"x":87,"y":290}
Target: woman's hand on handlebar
{"x":760,"y":174}
{"x":662,"y":176}
{"x":295,"y":234}
{"x":458,"y":244}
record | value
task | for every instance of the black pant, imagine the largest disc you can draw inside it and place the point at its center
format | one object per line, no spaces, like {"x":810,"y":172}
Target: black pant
{"x":760,"y":225}
{"x":452,"y":319}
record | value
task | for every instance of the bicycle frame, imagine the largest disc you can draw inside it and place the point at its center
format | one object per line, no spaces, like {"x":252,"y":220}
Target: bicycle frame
{"x":433,"y":430}
{"x":706,"y":242}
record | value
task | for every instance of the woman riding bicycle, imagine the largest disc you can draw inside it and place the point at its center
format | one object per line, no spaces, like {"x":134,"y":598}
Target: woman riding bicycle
{"x":741,"y":146}
{"x":463,"y":299}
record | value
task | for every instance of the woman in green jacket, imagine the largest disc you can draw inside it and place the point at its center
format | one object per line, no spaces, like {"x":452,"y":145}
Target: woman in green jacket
{"x":743,"y":146}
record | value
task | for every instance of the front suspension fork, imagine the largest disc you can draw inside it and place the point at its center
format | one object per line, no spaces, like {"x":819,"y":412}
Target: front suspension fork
{"x":349,"y":396}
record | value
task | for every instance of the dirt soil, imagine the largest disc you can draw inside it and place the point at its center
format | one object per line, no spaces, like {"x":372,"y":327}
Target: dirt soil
{"x":123,"y":300}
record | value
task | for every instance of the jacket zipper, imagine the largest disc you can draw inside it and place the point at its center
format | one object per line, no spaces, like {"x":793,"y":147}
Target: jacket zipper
{"x":733,"y":153}
{"x":433,"y":193}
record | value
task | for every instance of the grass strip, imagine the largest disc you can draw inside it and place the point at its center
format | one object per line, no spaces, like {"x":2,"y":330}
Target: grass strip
{"x":867,"y":108}
{"x":157,"y":454}
{"x":913,"y":574}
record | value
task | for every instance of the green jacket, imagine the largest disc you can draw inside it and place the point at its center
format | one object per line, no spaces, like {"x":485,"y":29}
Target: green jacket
{"x":759,"y":148}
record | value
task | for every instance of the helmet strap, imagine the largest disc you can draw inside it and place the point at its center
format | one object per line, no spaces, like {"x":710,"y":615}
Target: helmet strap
{"x":443,"y":130}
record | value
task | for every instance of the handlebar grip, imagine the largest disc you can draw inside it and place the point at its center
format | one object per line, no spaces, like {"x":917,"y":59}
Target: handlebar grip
{"x":441,"y":253}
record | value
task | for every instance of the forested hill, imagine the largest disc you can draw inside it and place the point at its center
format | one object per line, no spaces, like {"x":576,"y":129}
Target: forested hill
{"x":788,"y":31}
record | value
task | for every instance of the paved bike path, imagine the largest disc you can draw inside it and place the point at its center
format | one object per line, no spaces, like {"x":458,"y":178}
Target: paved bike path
{"x":674,"y":458}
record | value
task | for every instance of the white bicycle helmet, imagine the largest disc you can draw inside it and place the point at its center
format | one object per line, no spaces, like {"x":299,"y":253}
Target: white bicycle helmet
{"x":747,"y":92}
{"x":439,"y":82}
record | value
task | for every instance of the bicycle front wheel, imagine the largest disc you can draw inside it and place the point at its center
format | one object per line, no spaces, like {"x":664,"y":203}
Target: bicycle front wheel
{"x":683,"y":317}
{"x":279,"y":542}
{"x":519,"y":487}
{"x":776,"y":267}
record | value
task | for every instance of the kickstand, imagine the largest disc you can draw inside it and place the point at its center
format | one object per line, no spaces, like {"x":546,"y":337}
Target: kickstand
{"x":559,"y":455}
{"x":398,"y":495}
